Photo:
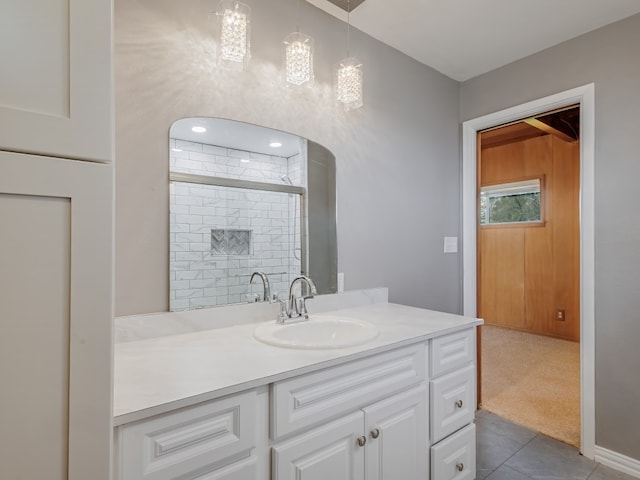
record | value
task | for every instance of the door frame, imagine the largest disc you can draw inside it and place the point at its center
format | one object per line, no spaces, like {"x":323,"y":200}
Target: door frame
{"x":585,"y":97}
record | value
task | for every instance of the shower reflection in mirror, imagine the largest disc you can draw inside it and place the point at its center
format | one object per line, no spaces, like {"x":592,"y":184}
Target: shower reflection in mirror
{"x":237,"y":203}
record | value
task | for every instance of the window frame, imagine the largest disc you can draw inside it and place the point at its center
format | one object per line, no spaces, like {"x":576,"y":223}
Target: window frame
{"x":526,"y":224}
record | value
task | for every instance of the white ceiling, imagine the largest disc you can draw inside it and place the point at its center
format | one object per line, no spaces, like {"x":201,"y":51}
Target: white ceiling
{"x":465,"y":38}
{"x":236,"y":135}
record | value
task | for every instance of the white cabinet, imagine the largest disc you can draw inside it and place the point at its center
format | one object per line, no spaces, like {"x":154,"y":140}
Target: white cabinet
{"x":56,"y":86}
{"x":219,"y":439}
{"x":327,"y":452}
{"x":453,"y":404}
{"x":384,"y":416}
{"x":56,"y":245}
{"x":55,"y":306}
{"x":383,"y":441}
{"x":396,"y":433}
{"x":455,"y":457}
{"x":380,"y":403}
{"x":307,"y":400}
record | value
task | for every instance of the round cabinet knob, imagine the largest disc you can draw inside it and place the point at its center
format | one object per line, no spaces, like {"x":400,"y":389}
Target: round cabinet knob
{"x":361,"y":441}
{"x":459,"y":404}
{"x":460,"y":466}
{"x":375,"y":433}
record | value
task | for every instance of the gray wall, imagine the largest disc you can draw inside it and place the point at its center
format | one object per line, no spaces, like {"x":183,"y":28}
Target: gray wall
{"x":609,"y":58}
{"x":398,"y":164}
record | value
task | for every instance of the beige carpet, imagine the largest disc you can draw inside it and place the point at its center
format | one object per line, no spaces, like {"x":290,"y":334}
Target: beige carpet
{"x":532,"y":380}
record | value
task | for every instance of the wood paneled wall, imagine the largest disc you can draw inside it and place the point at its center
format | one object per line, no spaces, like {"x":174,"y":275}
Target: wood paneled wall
{"x":529,"y":272}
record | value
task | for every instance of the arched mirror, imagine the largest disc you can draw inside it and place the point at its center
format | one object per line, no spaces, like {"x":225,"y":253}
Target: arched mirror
{"x":245,"y":199}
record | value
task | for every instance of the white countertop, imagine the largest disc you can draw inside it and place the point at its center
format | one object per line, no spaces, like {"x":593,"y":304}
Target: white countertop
{"x":161,"y":374}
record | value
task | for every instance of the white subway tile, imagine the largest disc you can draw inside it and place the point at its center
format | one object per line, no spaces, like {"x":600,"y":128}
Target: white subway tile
{"x":200,"y":210}
{"x":182,"y":304}
{"x":187,"y":200}
{"x":180,"y":266}
{"x":190,"y":219}
{"x":179,"y":247}
{"x":179,"y":209}
{"x":204,"y":284}
{"x":188,"y":275}
{"x":202,"y":302}
{"x":214,"y":149}
{"x":188,"y":293}
{"x":186,"y":145}
{"x":188,"y":256}
{"x":189,"y":237}
{"x":199,"y":247}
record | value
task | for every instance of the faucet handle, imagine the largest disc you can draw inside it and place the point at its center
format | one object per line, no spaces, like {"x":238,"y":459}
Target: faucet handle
{"x":283,"y":315}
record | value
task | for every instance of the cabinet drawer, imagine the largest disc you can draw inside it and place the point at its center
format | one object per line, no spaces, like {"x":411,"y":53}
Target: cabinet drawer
{"x":454,"y":458}
{"x":452,"y":402}
{"x":308,"y":400}
{"x":452,"y":351}
{"x":169,"y":446}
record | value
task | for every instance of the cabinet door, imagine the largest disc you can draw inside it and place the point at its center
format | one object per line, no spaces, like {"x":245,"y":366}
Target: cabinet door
{"x":327,"y":452}
{"x":56,"y":314}
{"x":55,"y":87}
{"x":396,"y":430}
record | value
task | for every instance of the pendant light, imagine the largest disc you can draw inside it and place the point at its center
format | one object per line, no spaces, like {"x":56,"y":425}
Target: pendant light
{"x":298,"y":56}
{"x":234,"y":29}
{"x":348,"y":75}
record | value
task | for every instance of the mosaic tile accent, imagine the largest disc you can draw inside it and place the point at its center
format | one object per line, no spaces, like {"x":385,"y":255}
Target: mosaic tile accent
{"x":230,"y":242}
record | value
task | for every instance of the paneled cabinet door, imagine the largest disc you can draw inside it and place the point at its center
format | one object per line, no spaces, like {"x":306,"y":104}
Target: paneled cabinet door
{"x":56,"y":315}
{"x":329,"y":452}
{"x":396,"y":431}
{"x":55,"y":86}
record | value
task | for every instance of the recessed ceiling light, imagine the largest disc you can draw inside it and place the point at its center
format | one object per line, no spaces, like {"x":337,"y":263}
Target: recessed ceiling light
{"x":244,"y":160}
{"x":174,"y":149}
{"x":198,"y":129}
{"x":275,"y":144}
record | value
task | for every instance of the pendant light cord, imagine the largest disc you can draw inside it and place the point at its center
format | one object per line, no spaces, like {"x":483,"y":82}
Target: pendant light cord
{"x":298,"y":17}
{"x":348,"y":27}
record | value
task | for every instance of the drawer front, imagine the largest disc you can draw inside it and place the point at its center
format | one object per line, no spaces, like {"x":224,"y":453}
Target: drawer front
{"x":309,"y":400}
{"x":454,"y":458}
{"x":452,"y":402}
{"x":243,"y":470}
{"x":450,"y":352}
{"x":169,"y":446}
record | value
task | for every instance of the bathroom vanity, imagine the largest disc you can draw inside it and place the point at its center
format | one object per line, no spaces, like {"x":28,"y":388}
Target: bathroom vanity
{"x":218,"y":404}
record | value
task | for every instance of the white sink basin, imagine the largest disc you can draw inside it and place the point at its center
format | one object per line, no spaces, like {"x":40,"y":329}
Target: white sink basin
{"x":317,"y":333}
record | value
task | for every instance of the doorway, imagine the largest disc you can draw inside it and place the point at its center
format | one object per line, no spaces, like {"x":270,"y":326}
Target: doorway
{"x":528,"y":272}
{"x":584,"y":97}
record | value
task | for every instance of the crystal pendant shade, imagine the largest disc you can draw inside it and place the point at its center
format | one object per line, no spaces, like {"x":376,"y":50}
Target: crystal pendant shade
{"x":234,"y":21}
{"x":348,"y":83}
{"x":299,"y":59}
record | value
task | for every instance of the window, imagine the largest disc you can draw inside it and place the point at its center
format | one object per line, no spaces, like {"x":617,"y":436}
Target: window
{"x":513,"y":202}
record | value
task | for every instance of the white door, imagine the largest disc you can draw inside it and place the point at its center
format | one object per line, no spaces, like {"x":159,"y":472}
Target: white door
{"x":330,"y":452}
{"x":56,"y":314}
{"x":55,"y":86}
{"x":396,"y":430}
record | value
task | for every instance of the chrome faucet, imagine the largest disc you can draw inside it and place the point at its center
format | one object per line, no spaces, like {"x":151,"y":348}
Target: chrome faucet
{"x":296,"y":309}
{"x":266,"y":292}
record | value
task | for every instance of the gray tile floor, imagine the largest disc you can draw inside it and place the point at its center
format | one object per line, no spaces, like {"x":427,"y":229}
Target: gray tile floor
{"x":506,"y":451}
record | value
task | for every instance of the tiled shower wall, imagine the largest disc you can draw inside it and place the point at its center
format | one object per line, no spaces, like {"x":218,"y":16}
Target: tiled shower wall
{"x":198,"y":277}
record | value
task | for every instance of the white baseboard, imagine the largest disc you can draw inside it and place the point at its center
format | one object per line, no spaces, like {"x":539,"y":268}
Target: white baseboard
{"x":617,"y":461}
